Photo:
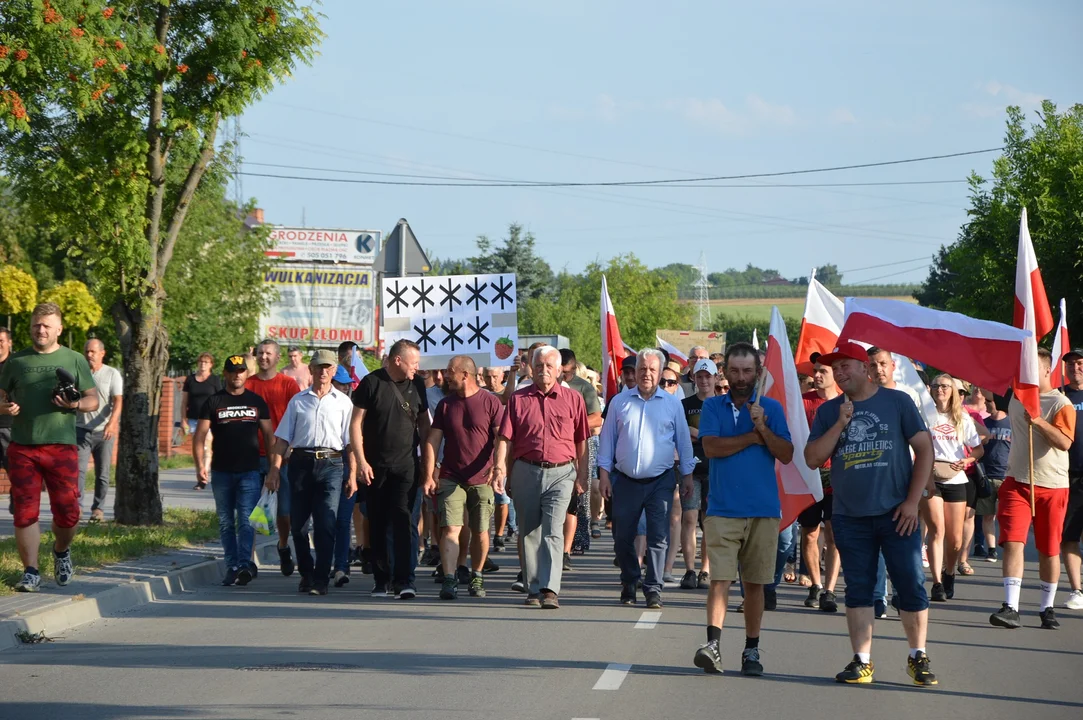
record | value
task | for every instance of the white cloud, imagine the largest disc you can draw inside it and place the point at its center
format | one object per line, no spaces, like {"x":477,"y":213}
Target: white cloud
{"x":842,"y":116}
{"x":1005,"y":95}
{"x":716,"y":115}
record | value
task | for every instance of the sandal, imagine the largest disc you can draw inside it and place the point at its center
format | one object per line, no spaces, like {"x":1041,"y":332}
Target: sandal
{"x":965,"y":569}
{"x":790,"y":575}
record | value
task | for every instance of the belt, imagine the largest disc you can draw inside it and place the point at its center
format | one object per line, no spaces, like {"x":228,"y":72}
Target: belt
{"x":643,"y":481}
{"x":545,"y":465}
{"x":320,"y":453}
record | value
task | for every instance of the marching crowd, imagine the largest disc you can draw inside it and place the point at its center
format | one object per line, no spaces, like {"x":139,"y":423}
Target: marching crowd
{"x":404,"y":469}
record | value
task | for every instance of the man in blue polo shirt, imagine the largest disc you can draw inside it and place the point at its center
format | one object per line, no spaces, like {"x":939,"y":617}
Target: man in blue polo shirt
{"x":742,"y":435}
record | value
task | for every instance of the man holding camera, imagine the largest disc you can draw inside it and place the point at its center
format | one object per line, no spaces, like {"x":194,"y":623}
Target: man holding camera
{"x":43,"y":387}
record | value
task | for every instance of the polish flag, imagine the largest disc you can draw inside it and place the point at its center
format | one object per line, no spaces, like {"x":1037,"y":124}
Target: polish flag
{"x":1060,"y":346}
{"x":799,"y":486}
{"x":674,"y":353}
{"x":820,"y":325}
{"x":357,"y":368}
{"x":613,"y":348}
{"x":1031,"y":304}
{"x":989,"y":354}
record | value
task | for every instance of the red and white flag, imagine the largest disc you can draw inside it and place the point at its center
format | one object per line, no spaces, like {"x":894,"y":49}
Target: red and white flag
{"x":820,"y":325}
{"x":357,"y":368}
{"x":799,"y":486}
{"x":1060,"y":346}
{"x":1031,"y":312}
{"x":674,"y":353}
{"x":989,"y":354}
{"x":613,"y":348}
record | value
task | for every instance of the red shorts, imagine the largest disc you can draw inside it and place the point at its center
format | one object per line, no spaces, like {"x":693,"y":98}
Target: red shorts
{"x":55,"y":465}
{"x":1013,"y":514}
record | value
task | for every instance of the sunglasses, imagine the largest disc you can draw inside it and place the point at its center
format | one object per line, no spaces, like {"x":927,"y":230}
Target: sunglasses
{"x":668,"y":383}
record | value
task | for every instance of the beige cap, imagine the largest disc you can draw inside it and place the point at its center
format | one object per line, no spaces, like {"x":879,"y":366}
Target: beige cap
{"x":323,"y":357}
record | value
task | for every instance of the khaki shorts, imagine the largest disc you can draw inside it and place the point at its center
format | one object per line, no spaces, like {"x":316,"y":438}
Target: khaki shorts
{"x":455,"y":502}
{"x":750,"y":542}
{"x":987,"y":507}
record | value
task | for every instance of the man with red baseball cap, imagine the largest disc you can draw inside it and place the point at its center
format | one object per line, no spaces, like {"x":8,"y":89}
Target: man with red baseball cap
{"x":867,"y":433}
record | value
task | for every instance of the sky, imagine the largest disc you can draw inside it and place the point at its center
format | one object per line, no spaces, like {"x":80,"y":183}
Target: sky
{"x":603,"y":91}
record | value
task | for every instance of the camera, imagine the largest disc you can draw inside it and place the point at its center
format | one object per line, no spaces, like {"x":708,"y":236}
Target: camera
{"x":65,"y":388}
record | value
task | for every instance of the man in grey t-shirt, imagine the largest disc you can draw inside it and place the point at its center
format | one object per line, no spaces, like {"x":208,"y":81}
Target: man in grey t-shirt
{"x":97,"y":431}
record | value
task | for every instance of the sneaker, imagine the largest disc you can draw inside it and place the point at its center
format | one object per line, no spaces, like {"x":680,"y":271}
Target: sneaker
{"x":918,"y":668}
{"x":449,"y":590}
{"x":628,"y":595}
{"x":427,"y":555}
{"x":1074,"y":601}
{"x":567,"y":562}
{"x":30,"y":582}
{"x":978,"y":552}
{"x":341,"y":578}
{"x":654,"y":600}
{"x":406,"y":592}
{"x":741,"y":606}
{"x":616,"y":562}
{"x":949,"y":586}
{"x":318,"y":590}
{"x":938,"y":594}
{"x":477,"y":586}
{"x":532,"y":601}
{"x":668,"y":580}
{"x":357,"y":557}
{"x":708,"y":658}
{"x":437,"y":576}
{"x":230,"y":578}
{"x":595,"y":529}
{"x":688,"y":582}
{"x":829,"y":602}
{"x":285,"y":561}
{"x":305,"y":585}
{"x":379,"y":590}
{"x":879,"y":609}
{"x":97,"y":516}
{"x":925,"y":556}
{"x":703,"y":581}
{"x":856,"y":673}
{"x":991,"y":556}
{"x":244,"y":575}
{"x":519,"y":585}
{"x":1006,"y":617}
{"x":750,"y":662}
{"x":813,"y":598}
{"x":498,"y":544}
{"x":434,"y":561}
{"x":490,"y":566}
{"x":1049,"y":619}
{"x":63,"y":570}
{"x":770,"y":598}
{"x":462,"y":574}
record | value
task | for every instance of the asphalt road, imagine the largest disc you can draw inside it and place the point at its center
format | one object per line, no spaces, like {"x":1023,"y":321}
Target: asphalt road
{"x":266,"y":652}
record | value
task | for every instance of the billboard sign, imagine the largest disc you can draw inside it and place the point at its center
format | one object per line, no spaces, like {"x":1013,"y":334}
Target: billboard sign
{"x":317,"y":244}
{"x":320,"y":305}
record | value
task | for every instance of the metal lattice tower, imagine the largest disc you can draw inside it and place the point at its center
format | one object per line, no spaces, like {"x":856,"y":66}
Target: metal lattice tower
{"x":233,"y":137}
{"x":703,"y":299}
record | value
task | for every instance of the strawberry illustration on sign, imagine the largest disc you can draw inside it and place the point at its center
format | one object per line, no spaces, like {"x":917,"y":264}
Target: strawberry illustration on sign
{"x":503,"y":348}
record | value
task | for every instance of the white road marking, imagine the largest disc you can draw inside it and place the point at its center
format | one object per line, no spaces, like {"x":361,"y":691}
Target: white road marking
{"x":612,"y":677}
{"x":648,"y":620}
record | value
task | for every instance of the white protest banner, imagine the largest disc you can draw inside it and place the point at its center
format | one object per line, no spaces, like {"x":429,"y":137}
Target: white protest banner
{"x":320,"y":305}
{"x":310,"y":244}
{"x":450,"y":315}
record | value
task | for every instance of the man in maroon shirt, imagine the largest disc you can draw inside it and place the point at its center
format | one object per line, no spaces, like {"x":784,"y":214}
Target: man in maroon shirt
{"x":544,"y":434}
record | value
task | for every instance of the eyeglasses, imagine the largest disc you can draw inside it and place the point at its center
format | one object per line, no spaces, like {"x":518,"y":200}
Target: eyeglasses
{"x":667,"y":383}
{"x":943,"y":387}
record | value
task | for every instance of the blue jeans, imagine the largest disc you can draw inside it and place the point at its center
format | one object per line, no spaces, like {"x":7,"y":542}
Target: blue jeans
{"x":504,"y":499}
{"x":630,"y":500}
{"x":787,"y":541}
{"x":860,"y":541}
{"x":314,"y":493}
{"x":342,"y":526}
{"x":235,"y":496}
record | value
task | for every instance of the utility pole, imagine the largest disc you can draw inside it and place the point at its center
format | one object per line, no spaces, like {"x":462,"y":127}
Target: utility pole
{"x":703,"y":299}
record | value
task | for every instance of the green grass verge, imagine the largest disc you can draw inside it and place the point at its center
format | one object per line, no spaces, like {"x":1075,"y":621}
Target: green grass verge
{"x":177,"y":462}
{"x":104,"y":543}
{"x":760,"y":312}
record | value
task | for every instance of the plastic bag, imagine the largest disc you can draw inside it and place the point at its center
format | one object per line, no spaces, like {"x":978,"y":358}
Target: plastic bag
{"x":264,"y":515}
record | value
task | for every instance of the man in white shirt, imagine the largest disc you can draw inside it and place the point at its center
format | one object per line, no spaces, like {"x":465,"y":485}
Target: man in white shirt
{"x":96,"y":432}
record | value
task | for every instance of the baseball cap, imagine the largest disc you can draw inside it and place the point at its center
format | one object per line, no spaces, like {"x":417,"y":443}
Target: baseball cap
{"x":342,"y":376}
{"x":845,"y":350}
{"x":1073,"y":353}
{"x":629,"y":363}
{"x":235,"y":363}
{"x":704,"y":366}
{"x":323,"y":357}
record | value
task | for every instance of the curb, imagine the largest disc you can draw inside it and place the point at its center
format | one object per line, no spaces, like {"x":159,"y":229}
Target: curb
{"x":72,"y":613}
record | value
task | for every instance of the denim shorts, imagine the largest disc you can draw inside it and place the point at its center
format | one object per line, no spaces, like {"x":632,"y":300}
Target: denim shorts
{"x":695,"y":501}
{"x":283,"y":485}
{"x":860,"y":541}
{"x":501,"y":498}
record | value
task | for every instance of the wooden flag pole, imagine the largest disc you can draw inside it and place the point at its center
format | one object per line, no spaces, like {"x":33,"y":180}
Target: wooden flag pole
{"x":1030,"y":452}
{"x":760,"y":383}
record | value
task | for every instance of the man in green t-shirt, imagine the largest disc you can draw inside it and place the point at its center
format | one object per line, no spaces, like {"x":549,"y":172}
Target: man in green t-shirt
{"x":43,"y":448}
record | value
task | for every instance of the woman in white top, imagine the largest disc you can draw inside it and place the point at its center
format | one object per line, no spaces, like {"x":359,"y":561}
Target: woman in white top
{"x":953,"y":434}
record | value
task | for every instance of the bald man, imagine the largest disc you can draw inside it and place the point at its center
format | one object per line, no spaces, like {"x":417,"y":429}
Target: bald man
{"x":95,"y":432}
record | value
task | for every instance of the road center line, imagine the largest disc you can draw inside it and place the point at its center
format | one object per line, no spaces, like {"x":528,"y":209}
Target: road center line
{"x":612,"y":677}
{"x":648,"y":620}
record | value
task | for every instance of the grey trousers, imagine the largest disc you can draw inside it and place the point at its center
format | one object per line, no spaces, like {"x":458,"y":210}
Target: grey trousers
{"x":541,"y":498}
{"x":93,"y":444}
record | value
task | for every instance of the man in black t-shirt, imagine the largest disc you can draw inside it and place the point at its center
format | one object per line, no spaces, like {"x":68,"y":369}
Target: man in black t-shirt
{"x":994,"y":461}
{"x":390,"y":419}
{"x":1073,"y":520}
{"x":703,"y":375}
{"x":235,"y":417}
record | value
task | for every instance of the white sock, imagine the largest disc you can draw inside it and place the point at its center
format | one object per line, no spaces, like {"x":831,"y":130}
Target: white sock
{"x":914,"y":651}
{"x":1049,"y":591}
{"x":1012,"y":586}
{"x":865,"y":657}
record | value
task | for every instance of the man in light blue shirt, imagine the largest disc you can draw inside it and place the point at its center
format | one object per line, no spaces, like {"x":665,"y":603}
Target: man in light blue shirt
{"x":644,"y":430}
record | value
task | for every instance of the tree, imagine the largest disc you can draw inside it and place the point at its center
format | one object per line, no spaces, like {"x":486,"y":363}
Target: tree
{"x":533,"y":276}
{"x":109,"y":114}
{"x":1041,"y":169}
{"x":81,"y":311}
{"x":18,"y":291}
